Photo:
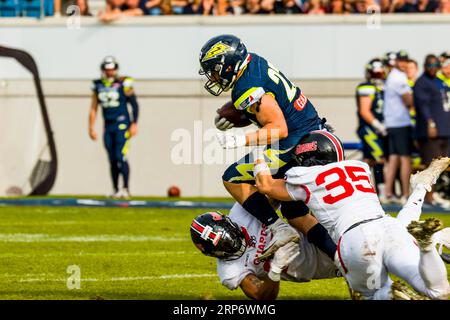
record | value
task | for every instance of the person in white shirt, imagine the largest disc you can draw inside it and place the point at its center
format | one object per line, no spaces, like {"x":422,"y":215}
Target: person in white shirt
{"x":370,"y":244}
{"x":398,"y":99}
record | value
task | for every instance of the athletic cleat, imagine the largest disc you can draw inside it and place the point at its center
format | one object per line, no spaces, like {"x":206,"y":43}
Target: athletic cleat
{"x":125,"y":194}
{"x":429,"y":176}
{"x":282,"y":233}
{"x":401,"y":291}
{"x":423,"y":231}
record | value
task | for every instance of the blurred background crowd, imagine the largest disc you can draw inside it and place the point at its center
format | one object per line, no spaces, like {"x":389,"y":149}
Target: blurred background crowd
{"x":404,"y":121}
{"x":114,"y":9}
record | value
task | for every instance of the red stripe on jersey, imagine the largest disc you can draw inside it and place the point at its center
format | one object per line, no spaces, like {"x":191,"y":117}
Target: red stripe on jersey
{"x":336,"y":143}
{"x":308,"y":193}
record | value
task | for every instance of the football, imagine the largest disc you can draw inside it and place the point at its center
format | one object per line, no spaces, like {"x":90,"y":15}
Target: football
{"x":238,"y":118}
{"x":173,"y":192}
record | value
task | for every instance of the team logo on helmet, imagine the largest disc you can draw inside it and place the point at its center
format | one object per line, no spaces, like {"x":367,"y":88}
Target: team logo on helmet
{"x":216,"y":50}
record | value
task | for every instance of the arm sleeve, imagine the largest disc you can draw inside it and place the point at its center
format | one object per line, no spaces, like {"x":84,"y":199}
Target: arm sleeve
{"x":231,"y":273}
{"x":134,"y":107}
{"x":297,"y":192}
{"x":249,"y":97}
{"x":401,"y":86}
{"x":422,"y":100}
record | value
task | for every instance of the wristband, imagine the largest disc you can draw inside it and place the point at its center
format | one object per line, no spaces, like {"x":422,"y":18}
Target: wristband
{"x":260,"y":167}
{"x":275,"y":277}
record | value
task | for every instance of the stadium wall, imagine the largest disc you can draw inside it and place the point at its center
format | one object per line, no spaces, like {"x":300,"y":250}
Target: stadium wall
{"x":325,"y":56}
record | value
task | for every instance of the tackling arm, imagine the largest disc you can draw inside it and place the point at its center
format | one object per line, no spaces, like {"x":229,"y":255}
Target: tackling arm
{"x":274,"y":188}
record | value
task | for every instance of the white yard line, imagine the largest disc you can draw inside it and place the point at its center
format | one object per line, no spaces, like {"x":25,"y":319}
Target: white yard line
{"x":103,"y":254}
{"x":40,"y":237}
{"x":143,"y":278}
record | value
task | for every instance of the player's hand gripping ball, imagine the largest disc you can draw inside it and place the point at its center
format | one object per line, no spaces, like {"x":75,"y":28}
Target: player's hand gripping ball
{"x":228,"y":117}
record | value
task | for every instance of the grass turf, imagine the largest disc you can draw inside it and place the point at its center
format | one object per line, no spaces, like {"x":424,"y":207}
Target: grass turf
{"x":122,"y":254}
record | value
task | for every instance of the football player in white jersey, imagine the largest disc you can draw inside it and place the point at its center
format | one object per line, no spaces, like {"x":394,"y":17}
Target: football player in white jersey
{"x":238,"y":239}
{"x":369,"y":243}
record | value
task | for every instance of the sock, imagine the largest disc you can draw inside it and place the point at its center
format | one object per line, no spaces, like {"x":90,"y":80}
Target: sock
{"x":115,"y":175}
{"x":258,"y":205}
{"x":293,"y":209}
{"x":412,"y":210}
{"x":319,"y":236}
{"x":379,"y":177}
{"x":433,"y":270}
{"x":125,"y":171}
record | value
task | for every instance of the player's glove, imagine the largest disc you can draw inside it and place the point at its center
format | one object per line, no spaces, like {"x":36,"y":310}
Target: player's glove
{"x":230,"y":141}
{"x":222,"y":123}
{"x":283,"y":256}
{"x":379,"y":127}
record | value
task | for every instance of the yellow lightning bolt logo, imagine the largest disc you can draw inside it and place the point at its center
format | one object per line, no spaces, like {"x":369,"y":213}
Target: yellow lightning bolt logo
{"x":217,"y":49}
{"x":274,"y":163}
{"x":371,"y":140}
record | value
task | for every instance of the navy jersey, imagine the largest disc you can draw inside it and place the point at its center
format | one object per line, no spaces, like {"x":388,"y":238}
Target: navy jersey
{"x":113,"y":99}
{"x":261,"y":77}
{"x":375,"y":91}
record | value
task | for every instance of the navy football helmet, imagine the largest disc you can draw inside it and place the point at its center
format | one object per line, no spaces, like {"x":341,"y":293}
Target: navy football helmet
{"x":375,"y":69}
{"x":109,"y":62}
{"x":220,"y":61}
{"x":215,"y":235}
{"x":318,"y":147}
{"x":389,"y":59}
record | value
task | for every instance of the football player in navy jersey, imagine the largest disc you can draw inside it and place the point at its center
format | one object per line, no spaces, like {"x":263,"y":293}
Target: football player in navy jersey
{"x":113,"y":94}
{"x":371,"y":130}
{"x":283,"y":114}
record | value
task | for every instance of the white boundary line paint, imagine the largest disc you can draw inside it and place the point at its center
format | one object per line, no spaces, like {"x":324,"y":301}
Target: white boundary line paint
{"x":93,"y":254}
{"x":40,"y":237}
{"x":143,"y":278}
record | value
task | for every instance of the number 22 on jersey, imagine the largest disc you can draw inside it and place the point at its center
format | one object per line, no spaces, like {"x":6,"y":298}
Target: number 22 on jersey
{"x":275,"y":75}
{"x":339,"y":178}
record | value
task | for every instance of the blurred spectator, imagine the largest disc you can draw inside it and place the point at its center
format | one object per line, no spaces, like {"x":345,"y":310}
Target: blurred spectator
{"x":432,"y":124}
{"x":444,"y":6}
{"x":214,"y":7}
{"x":337,"y":7}
{"x":426,"y":6}
{"x":237,"y":6}
{"x":181,"y":7}
{"x":287,"y":7}
{"x":411,"y":72}
{"x":384,"y":5}
{"x":403,"y":6}
{"x":118,"y":8}
{"x":84,"y":7}
{"x":154,"y":7}
{"x":253,"y":7}
{"x":315,"y":7}
{"x":267,"y":6}
{"x":360,"y":6}
{"x":397,"y":101}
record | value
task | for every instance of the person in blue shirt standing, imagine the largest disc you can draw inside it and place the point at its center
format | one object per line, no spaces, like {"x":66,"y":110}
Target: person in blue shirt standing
{"x":433,"y":119}
{"x":283,"y":115}
{"x":113,"y":94}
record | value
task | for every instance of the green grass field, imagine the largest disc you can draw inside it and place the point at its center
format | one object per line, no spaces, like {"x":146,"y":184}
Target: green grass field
{"x":122,"y":254}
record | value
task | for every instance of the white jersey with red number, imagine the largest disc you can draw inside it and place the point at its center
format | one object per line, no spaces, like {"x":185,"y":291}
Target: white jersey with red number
{"x":339,"y":194}
{"x":311,"y":263}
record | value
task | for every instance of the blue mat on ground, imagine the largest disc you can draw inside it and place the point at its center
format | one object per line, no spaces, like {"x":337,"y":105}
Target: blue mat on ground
{"x":183,"y":204}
